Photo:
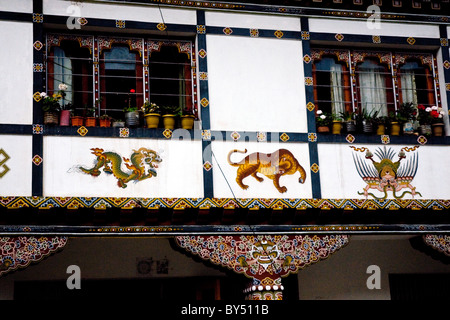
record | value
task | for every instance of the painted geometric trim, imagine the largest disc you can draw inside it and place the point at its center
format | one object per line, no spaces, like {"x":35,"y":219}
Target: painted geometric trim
{"x":102,"y":203}
{"x":438,"y":242}
{"x":19,"y":252}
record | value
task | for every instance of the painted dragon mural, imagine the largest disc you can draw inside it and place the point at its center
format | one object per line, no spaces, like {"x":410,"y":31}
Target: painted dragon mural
{"x":142,"y":165}
{"x":386,"y":175}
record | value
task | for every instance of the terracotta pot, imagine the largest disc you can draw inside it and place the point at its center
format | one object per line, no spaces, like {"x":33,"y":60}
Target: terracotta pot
{"x":64,"y":118}
{"x":169,"y":121}
{"x":91,"y":121}
{"x":323,"y":129}
{"x":105,"y":122}
{"x":187,"y":121}
{"x":395,"y":128}
{"x":77,"y":121}
{"x":152,"y":120}
{"x":438,"y":129}
{"x":51,"y":118}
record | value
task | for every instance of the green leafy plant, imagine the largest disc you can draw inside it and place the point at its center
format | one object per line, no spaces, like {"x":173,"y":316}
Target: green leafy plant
{"x":171,"y":109}
{"x":323,"y":118}
{"x":347,"y":116}
{"x":150,"y":107}
{"x":406,"y":112}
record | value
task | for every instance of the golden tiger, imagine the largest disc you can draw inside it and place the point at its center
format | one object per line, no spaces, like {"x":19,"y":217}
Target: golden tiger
{"x":272,"y":165}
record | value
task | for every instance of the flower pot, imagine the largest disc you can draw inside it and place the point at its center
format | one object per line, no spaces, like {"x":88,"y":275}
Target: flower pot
{"x":350,"y":126}
{"x":323,"y":129}
{"x":381,"y":129}
{"x":187,"y":121}
{"x":132,"y":118}
{"x":425,"y":129}
{"x":105,"y":122}
{"x":152,"y":120}
{"x":395,"y":128}
{"x":118,"y":124}
{"x":438,"y":129}
{"x":169,"y":121}
{"x":77,"y":121}
{"x":90,"y":122}
{"x":336,"y":127}
{"x":408,"y":128}
{"x":51,"y":118}
{"x":367,"y":127}
{"x":64,"y":118}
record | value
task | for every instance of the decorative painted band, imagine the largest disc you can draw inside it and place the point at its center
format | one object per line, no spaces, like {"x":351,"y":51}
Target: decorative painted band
{"x":103,"y":203}
{"x":180,"y":134}
{"x":176,"y":230}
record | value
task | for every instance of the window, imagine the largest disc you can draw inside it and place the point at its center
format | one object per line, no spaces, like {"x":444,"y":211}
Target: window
{"x":369,"y":81}
{"x":120,"y":72}
{"x":69,"y":61}
{"x":374,"y":83}
{"x":415,"y":79}
{"x":332,"y":81}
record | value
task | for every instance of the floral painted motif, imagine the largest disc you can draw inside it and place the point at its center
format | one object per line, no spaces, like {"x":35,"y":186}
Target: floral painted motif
{"x":19,"y":252}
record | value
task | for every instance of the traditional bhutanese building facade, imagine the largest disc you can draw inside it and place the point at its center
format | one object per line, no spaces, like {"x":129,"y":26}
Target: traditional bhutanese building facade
{"x":256,"y":199}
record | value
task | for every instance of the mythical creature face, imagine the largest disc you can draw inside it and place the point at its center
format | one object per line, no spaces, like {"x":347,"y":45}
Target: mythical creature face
{"x":265,"y":252}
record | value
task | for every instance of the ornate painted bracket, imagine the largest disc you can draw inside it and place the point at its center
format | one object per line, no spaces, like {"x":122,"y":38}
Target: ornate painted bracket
{"x":438,"y":242}
{"x":263,"y":258}
{"x":19,"y":252}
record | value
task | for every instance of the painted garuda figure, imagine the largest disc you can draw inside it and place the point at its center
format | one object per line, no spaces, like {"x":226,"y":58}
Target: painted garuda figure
{"x":386,"y":175}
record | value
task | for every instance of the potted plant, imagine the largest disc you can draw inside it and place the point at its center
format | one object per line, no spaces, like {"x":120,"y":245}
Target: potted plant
{"x":51,"y":107}
{"x":323,"y":121}
{"x":394,"y":121}
{"x":367,"y":120}
{"x":407,"y":114}
{"x":131,"y":113}
{"x":437,"y":123}
{"x":75,"y":119}
{"x":336,"y":127}
{"x":152,"y":113}
{"x":64,"y":115}
{"x":187,"y":119}
{"x":169,"y":116}
{"x":105,"y":120}
{"x":349,"y":121}
{"x":90,"y":118}
{"x":425,"y":119}
{"x":118,"y":123}
{"x":380,"y":123}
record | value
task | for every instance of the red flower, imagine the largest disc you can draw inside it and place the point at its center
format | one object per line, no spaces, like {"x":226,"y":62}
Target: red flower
{"x":421,"y":107}
{"x":132,"y":90}
{"x":434,"y":114}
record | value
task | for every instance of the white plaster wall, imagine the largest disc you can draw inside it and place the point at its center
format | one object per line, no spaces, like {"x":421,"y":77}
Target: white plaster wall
{"x":146,"y":13}
{"x":256,"y":84}
{"x":17,"y":181}
{"x":343,"y":275}
{"x":340,"y":180}
{"x":253,"y":21}
{"x":179,"y":173}
{"x":225,"y":175}
{"x":16,"y":98}
{"x":367,"y":28}
{"x":17,"y":6}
